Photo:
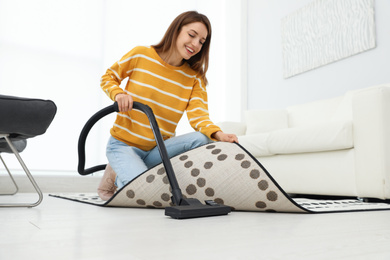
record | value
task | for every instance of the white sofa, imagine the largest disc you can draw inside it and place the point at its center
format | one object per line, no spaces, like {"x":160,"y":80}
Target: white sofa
{"x":338,"y":146}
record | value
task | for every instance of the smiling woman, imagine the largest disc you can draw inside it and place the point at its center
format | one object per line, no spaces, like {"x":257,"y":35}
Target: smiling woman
{"x":169,"y":78}
{"x":187,"y":38}
{"x":189,"y":43}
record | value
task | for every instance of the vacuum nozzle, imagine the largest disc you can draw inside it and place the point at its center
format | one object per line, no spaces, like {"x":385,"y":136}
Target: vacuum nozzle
{"x":193,"y":208}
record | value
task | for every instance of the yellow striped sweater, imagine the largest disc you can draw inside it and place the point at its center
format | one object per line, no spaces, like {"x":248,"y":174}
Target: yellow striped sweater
{"x":167,"y":89}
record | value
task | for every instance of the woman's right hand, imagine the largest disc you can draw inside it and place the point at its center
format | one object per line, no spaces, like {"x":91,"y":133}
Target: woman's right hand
{"x":125,"y":102}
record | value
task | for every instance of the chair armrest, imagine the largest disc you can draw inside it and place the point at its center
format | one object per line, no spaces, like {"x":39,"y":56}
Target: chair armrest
{"x":19,"y":145}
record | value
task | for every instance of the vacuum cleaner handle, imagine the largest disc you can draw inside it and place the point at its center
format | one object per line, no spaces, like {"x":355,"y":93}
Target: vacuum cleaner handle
{"x":176,"y":192}
{"x":83,"y":137}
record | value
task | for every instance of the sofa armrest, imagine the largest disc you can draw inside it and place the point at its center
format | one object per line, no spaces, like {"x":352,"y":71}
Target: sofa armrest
{"x":371,"y":110}
{"x":236,"y":128}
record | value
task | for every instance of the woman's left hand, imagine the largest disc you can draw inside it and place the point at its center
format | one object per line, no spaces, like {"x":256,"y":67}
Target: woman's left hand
{"x":221,"y":136}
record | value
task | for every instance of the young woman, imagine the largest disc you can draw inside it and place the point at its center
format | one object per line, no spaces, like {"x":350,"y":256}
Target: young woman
{"x":170,"y":77}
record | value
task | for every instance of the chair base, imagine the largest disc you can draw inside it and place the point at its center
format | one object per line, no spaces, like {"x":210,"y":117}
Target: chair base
{"x":11,"y":177}
{"x":29,"y":175}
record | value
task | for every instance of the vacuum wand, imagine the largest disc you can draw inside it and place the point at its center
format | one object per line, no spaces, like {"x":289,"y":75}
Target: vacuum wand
{"x":184,"y":207}
{"x":176,"y":192}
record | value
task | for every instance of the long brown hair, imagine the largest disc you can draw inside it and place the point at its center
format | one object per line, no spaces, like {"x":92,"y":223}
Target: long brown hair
{"x":199,"y":62}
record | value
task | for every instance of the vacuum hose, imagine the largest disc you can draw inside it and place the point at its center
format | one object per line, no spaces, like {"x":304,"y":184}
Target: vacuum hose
{"x":176,"y":192}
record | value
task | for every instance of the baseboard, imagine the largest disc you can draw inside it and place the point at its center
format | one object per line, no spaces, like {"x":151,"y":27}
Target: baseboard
{"x":47,"y":183}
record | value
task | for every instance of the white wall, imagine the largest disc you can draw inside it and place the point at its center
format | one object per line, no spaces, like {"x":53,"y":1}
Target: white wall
{"x":59,"y":49}
{"x":266,"y":86}
{"x":53,"y":50}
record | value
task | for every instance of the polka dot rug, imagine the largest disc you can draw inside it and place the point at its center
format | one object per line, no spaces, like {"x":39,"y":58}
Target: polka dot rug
{"x":225,"y":173}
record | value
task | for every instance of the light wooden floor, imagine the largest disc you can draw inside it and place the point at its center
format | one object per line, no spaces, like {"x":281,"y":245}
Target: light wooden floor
{"x":61,"y":229}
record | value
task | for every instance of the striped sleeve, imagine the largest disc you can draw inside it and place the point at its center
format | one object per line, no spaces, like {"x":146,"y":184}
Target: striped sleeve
{"x":197,"y":110}
{"x":111,"y":80}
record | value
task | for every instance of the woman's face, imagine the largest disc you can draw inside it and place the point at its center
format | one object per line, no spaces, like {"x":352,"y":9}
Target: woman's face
{"x":191,"y":39}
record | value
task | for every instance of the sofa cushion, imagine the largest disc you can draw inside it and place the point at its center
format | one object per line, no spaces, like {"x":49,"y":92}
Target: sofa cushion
{"x":318,"y":137}
{"x":263,"y":121}
{"x":344,"y":109}
{"x":256,"y":144}
{"x":313,"y":112}
{"x":237,"y":128}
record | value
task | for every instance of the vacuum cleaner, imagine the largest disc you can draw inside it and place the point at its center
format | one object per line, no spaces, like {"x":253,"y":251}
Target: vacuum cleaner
{"x":183,"y":207}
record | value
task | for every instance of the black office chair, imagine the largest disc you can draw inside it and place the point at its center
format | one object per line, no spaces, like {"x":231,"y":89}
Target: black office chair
{"x":20,"y":119}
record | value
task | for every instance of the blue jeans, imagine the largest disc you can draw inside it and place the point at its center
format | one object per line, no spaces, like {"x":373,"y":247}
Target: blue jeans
{"x":128,"y":161}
